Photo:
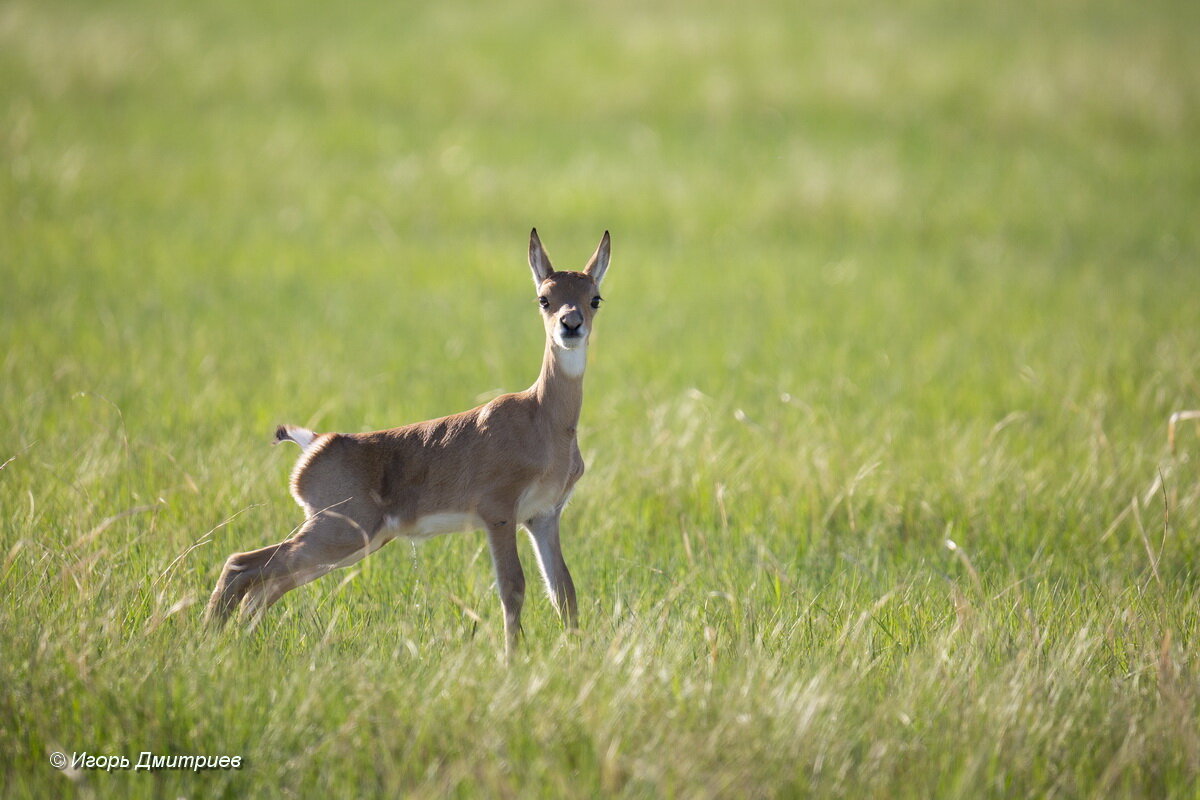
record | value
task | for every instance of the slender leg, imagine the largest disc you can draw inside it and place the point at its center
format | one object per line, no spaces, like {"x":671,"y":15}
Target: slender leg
{"x":544,"y":533}
{"x":332,"y":538}
{"x":510,"y":579}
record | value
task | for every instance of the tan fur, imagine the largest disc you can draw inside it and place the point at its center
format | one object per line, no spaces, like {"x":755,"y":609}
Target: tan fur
{"x":508,"y":463}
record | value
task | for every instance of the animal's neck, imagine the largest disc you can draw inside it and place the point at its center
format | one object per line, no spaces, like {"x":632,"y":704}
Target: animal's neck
{"x":559,"y":388}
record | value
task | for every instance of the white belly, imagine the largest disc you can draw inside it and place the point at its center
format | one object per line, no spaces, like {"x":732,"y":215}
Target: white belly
{"x":434,"y":524}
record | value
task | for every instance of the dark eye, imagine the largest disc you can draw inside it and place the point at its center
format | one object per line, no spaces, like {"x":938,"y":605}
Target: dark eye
{"x":544,"y":302}
{"x":596,"y":301}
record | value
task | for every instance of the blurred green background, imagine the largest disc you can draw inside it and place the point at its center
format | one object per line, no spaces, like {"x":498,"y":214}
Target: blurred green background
{"x":884,"y":275}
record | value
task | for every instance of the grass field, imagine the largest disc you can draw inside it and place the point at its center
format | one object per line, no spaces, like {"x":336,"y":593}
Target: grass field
{"x":885,"y":276}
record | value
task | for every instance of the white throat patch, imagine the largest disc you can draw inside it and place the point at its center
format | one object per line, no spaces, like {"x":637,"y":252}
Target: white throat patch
{"x":572,"y":362}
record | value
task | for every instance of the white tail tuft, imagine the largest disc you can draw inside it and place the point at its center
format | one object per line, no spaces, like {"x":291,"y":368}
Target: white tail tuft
{"x":291,"y":433}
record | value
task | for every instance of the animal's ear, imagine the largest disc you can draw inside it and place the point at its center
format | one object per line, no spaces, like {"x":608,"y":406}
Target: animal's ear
{"x":598,"y":264}
{"x":539,"y":262}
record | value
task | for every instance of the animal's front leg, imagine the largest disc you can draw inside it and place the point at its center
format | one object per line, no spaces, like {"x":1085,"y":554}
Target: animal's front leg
{"x":544,"y":532}
{"x":510,"y":578}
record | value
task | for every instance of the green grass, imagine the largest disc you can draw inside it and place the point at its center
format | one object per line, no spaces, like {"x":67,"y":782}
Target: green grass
{"x":884,"y":275}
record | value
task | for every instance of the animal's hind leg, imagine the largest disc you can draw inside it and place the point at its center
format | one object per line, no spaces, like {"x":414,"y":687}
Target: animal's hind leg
{"x":236,"y":578}
{"x":331,"y":538}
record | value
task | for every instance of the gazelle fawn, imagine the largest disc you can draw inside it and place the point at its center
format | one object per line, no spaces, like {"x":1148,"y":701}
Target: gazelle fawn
{"x":507,"y":464}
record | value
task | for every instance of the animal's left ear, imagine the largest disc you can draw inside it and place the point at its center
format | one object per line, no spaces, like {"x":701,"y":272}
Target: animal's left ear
{"x":598,"y":264}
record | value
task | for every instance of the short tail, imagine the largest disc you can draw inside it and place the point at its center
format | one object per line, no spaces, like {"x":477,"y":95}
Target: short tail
{"x":292,"y":433}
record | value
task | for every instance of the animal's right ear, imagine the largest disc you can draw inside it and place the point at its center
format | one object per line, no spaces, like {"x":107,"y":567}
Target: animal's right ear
{"x":539,"y":262}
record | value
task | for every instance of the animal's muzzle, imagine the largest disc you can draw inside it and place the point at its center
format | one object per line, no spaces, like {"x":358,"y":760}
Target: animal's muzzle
{"x":571,"y":322}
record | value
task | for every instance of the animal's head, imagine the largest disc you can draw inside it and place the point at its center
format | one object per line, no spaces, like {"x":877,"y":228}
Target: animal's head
{"x":568,"y":300}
